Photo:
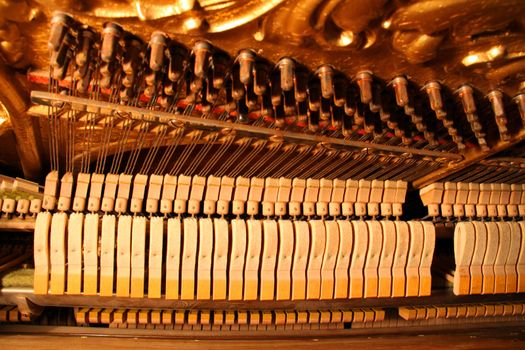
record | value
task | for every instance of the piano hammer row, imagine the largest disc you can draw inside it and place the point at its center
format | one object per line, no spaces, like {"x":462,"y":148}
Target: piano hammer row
{"x":462,"y":199}
{"x":226,"y":320}
{"x":235,"y":259}
{"x":490,"y":257}
{"x":157,"y":194}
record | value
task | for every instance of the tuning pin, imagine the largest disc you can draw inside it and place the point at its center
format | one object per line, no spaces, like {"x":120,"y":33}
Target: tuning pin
{"x":169,"y":88}
{"x":237,"y":86}
{"x":289,"y":103}
{"x":202,"y":51}
{"x":59,"y":72}
{"x":84,"y":81}
{"x":369,"y":123}
{"x":87,"y":38}
{"x":106,"y":77}
{"x":126,"y":94}
{"x":242,"y":112}
{"x":301,"y":85}
{"x":359,"y":116}
{"x":364,"y":81}
{"x":313,"y":120}
{"x":467,"y":99}
{"x":177,"y":55}
{"x":496,"y":99}
{"x":400,"y":85}
{"x":337,"y":117}
{"x":433,"y":90}
{"x":60,"y":59}
{"x":230,"y":105}
{"x":164,"y":101}
{"x":314,"y":95}
{"x":260,"y":78}
{"x":280,"y":115}
{"x":221,"y":62}
{"x":287,"y":68}
{"x":325,"y":112}
{"x":339,"y":90}
{"x":302,"y":113}
{"x":375,"y":103}
{"x":251,"y":98}
{"x":275,"y":84}
{"x":246,"y":60}
{"x":326,"y":74}
{"x":132,"y":59}
{"x":60,"y":24}
{"x":466,"y":94}
{"x":211,"y":93}
{"x":266,"y":105}
{"x":520,"y":101}
{"x":110,"y":39}
{"x":158,"y":43}
{"x":348,"y":122}
{"x":350,"y":101}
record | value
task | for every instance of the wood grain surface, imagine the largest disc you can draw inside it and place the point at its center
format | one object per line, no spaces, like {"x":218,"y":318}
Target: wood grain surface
{"x":495,"y":338}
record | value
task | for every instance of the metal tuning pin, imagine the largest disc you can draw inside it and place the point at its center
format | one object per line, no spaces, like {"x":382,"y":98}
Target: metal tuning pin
{"x":221,"y":62}
{"x":60,"y":24}
{"x":87,"y":39}
{"x":261,"y":77}
{"x":131,"y":64}
{"x":326,"y":75}
{"x":400,"y":85}
{"x":61,"y":59}
{"x":433,"y":90}
{"x":246,"y":59}
{"x":237,"y":85}
{"x":202,"y":51}
{"x":466,"y":94}
{"x":301,"y":85}
{"x":83,"y":59}
{"x":110,"y":39}
{"x":520,"y":101}
{"x":158,"y":43}
{"x":364,"y":80}
{"x":314,"y":95}
{"x":496,"y":99}
{"x":178,"y":60}
{"x":287,"y":73}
